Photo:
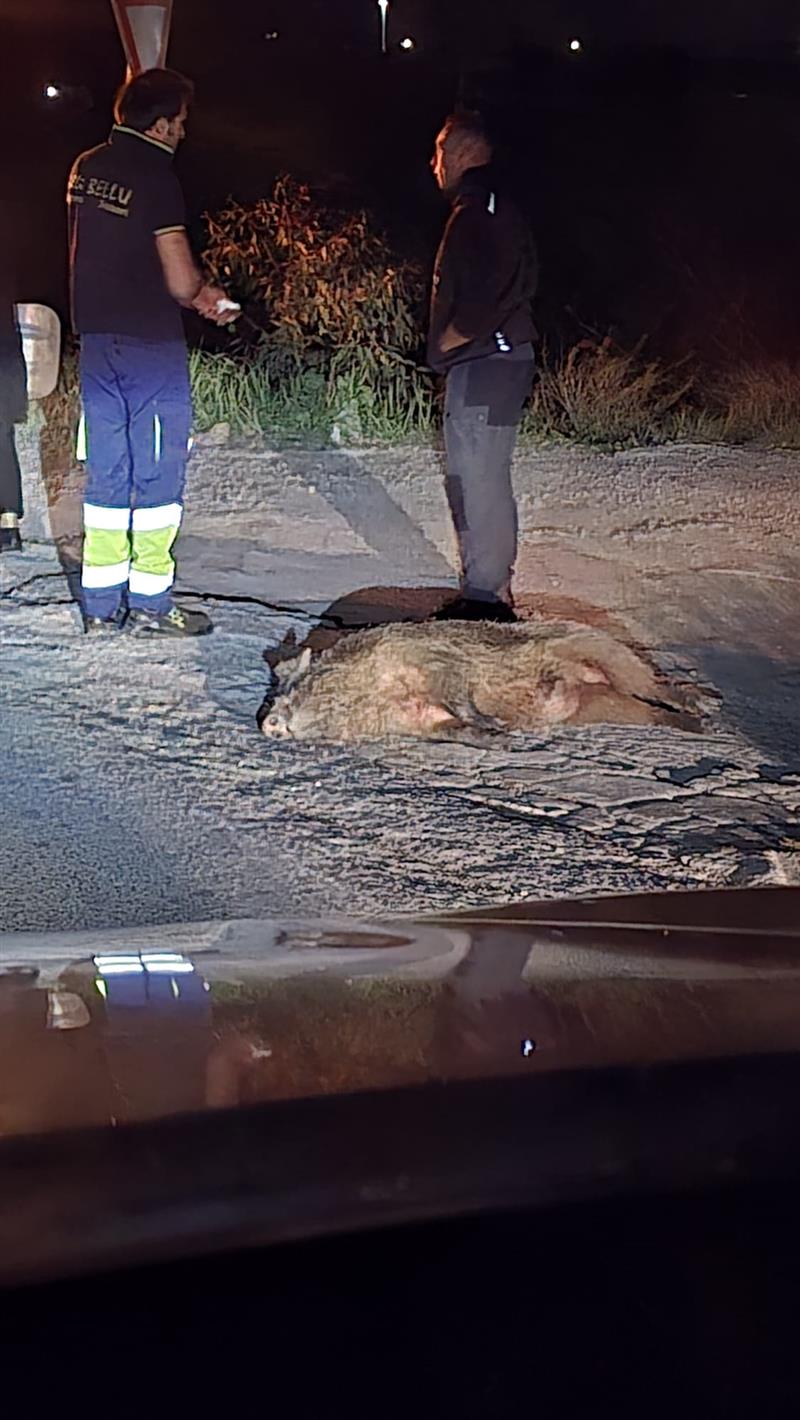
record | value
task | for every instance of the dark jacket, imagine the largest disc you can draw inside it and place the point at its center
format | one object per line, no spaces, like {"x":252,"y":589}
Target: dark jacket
{"x":485,"y":275}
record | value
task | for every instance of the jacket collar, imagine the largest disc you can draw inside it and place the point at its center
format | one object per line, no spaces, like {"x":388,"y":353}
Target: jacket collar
{"x":120,"y":133}
{"x":474,"y":182}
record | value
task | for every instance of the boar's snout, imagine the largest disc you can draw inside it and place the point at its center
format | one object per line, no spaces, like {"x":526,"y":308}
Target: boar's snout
{"x":276,"y":725}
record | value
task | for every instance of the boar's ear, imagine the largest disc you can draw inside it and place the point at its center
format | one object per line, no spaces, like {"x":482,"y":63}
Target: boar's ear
{"x":295,"y":670}
{"x":592,"y":674}
{"x":434,"y":716}
{"x":426,"y":714}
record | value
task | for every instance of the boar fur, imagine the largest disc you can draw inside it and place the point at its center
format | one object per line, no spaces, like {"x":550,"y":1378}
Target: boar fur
{"x":468,"y":681}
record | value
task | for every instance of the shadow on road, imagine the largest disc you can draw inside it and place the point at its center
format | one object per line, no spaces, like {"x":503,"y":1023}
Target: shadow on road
{"x":760,"y":695}
{"x":362,"y":500}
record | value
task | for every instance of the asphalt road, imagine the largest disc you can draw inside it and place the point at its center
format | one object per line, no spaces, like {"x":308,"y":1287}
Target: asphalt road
{"x":137,"y":790}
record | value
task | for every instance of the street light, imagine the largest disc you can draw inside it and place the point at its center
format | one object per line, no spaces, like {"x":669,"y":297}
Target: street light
{"x":51,"y":91}
{"x":407,"y":43}
{"x":576,"y":46}
{"x":383,"y":6}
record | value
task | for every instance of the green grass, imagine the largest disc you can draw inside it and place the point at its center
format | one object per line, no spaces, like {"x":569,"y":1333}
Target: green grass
{"x":350,"y":404}
{"x":596,"y":396}
{"x":599,"y":398}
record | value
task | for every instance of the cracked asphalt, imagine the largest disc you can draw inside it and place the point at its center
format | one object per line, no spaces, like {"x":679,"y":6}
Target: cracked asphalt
{"x":137,"y":790}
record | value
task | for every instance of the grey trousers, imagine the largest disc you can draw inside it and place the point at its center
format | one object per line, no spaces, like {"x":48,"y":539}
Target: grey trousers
{"x":483,"y":407}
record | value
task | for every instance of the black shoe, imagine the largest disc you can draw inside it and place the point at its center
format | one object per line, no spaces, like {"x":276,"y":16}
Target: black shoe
{"x":176,"y":622}
{"x":468,"y":609}
{"x":101,"y":625}
{"x":10,"y":540}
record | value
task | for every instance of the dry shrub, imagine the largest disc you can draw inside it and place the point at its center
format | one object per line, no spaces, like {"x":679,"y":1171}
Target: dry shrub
{"x":755,"y":404}
{"x":600,"y":394}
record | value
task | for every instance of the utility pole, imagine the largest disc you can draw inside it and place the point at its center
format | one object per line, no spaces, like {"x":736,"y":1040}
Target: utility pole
{"x":383,"y":6}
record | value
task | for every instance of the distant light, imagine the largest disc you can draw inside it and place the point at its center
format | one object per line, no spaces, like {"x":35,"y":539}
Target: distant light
{"x":51,"y":91}
{"x":407,"y":43}
{"x":272,"y":34}
{"x":576,"y":46}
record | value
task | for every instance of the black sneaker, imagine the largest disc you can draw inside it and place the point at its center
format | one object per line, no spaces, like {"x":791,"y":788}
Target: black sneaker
{"x":176,"y":622}
{"x":469,"y":609}
{"x":10,"y":540}
{"x":101,"y":625}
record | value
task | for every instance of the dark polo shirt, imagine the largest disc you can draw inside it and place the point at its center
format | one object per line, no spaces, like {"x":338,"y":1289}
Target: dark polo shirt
{"x":121,"y":196}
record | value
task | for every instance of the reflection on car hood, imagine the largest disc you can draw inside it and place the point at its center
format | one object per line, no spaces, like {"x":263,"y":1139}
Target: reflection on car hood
{"x":119,"y":1027}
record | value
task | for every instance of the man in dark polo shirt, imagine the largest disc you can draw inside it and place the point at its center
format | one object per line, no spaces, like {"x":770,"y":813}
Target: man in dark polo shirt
{"x":480,"y":337}
{"x":131,"y":270}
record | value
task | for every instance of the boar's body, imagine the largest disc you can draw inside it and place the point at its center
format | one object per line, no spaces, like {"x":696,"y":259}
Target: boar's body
{"x":463,"y":680}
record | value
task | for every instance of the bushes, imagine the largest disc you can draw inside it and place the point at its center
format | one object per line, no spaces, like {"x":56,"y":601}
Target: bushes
{"x":330,"y":353}
{"x":334,"y":344}
{"x":333,"y":324}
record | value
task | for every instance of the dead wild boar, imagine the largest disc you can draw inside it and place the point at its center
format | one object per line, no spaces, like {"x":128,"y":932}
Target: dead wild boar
{"x":468,"y":681}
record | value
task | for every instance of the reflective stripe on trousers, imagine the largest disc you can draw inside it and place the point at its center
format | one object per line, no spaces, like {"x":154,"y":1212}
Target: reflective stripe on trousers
{"x":106,"y":546}
{"x":120,"y":547}
{"x":152,"y":539}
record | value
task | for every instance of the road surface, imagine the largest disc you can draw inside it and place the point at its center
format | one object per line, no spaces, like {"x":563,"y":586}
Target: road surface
{"x":137,"y":790}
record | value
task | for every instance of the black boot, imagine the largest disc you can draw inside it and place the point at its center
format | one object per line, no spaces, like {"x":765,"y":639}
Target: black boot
{"x":101,"y":626}
{"x":175,"y":622}
{"x":469,"y":609}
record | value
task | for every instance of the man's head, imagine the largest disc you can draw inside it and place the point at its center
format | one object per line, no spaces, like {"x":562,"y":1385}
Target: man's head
{"x":156,"y":103}
{"x":461,"y":144}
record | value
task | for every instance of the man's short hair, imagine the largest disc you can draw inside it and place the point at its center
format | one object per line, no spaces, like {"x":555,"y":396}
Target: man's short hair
{"x":465,"y":131}
{"x":155,"y":94}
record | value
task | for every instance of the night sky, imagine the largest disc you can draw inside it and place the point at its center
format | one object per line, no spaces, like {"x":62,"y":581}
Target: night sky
{"x":645,"y":200}
{"x":715,"y":25}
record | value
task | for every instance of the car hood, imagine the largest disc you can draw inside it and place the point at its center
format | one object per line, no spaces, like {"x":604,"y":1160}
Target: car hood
{"x":114,"y":1028}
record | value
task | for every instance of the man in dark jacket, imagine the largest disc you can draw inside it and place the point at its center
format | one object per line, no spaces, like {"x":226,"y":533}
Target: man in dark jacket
{"x":480,"y":337}
{"x":13,"y":410}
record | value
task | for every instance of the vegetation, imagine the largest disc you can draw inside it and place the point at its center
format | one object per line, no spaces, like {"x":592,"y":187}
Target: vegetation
{"x":606,"y":398}
{"x":331,"y":329}
{"x":329,"y":351}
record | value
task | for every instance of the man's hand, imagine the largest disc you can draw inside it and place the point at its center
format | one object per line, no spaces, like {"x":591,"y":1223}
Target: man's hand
{"x":207,"y":302}
{"x":184,"y":282}
{"x":452,"y":339}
